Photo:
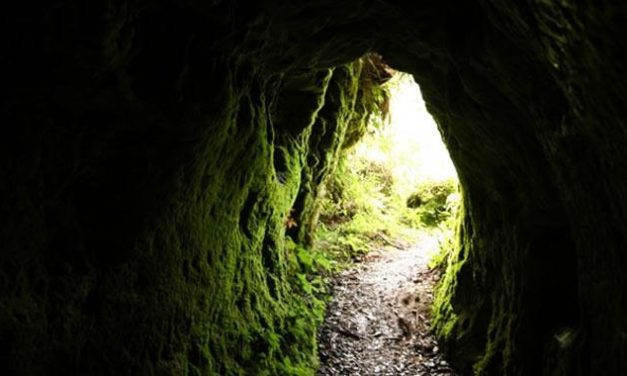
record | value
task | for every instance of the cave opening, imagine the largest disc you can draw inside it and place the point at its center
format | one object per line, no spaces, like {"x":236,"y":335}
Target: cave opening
{"x":397,"y":184}
{"x":391,"y":207}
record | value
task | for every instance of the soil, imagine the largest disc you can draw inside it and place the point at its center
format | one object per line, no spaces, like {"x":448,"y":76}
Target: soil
{"x":378,"y":320}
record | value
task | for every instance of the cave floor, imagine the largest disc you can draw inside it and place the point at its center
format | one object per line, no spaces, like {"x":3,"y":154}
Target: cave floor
{"x":378,"y":320}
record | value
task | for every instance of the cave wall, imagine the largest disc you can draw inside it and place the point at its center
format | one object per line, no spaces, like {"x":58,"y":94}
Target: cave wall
{"x":147,"y":189}
{"x":340,"y":124}
{"x":530,"y":96}
{"x":156,"y":149}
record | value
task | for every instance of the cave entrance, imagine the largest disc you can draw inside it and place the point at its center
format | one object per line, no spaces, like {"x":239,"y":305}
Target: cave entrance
{"x":390,"y":206}
{"x":397,"y":185}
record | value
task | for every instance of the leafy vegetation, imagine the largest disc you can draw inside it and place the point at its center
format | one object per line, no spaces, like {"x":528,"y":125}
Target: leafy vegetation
{"x":377,"y":196}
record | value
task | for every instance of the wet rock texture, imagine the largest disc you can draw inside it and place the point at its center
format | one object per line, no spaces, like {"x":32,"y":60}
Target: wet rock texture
{"x":379,"y":320}
{"x":149,"y":162}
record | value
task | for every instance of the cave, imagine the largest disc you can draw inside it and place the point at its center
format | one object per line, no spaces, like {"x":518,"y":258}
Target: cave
{"x":153,"y":150}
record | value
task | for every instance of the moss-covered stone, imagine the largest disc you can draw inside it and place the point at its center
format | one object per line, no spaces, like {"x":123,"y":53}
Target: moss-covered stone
{"x":354,"y":93}
{"x":156,"y":149}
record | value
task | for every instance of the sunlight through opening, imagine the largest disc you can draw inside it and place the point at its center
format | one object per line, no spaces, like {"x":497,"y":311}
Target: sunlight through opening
{"x":397,"y":186}
{"x":410,"y":143}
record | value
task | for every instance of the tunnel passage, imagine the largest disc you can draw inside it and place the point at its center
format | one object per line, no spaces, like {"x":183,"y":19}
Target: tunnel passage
{"x":156,"y":149}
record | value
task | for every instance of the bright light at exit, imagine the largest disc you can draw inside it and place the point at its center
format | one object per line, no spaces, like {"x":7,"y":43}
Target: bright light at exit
{"x":413,"y":150}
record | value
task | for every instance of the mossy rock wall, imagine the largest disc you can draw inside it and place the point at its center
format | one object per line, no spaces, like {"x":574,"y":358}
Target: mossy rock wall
{"x":324,"y":147}
{"x":151,"y":179}
{"x":156,"y":148}
{"x":354,"y":94}
{"x":528,"y":109}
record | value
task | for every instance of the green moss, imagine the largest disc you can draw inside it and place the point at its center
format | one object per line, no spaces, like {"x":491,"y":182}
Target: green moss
{"x":262,"y":295}
{"x":455,"y":317}
{"x":450,"y":260}
{"x":351,"y":98}
{"x":251,"y":304}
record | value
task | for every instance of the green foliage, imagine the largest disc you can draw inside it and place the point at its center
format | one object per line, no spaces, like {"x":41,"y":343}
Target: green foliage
{"x":434,"y":202}
{"x":308,"y":273}
{"x":448,"y":233}
{"x":360,"y":210}
{"x":364,"y":206}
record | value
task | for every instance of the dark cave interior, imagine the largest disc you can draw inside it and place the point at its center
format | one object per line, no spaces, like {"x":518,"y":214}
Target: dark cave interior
{"x":152,"y":150}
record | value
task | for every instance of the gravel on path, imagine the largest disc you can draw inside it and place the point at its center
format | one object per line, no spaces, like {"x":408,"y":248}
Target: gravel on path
{"x":378,"y":320}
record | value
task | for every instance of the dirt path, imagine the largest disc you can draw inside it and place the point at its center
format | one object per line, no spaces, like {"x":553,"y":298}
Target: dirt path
{"x":377,"y":323}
